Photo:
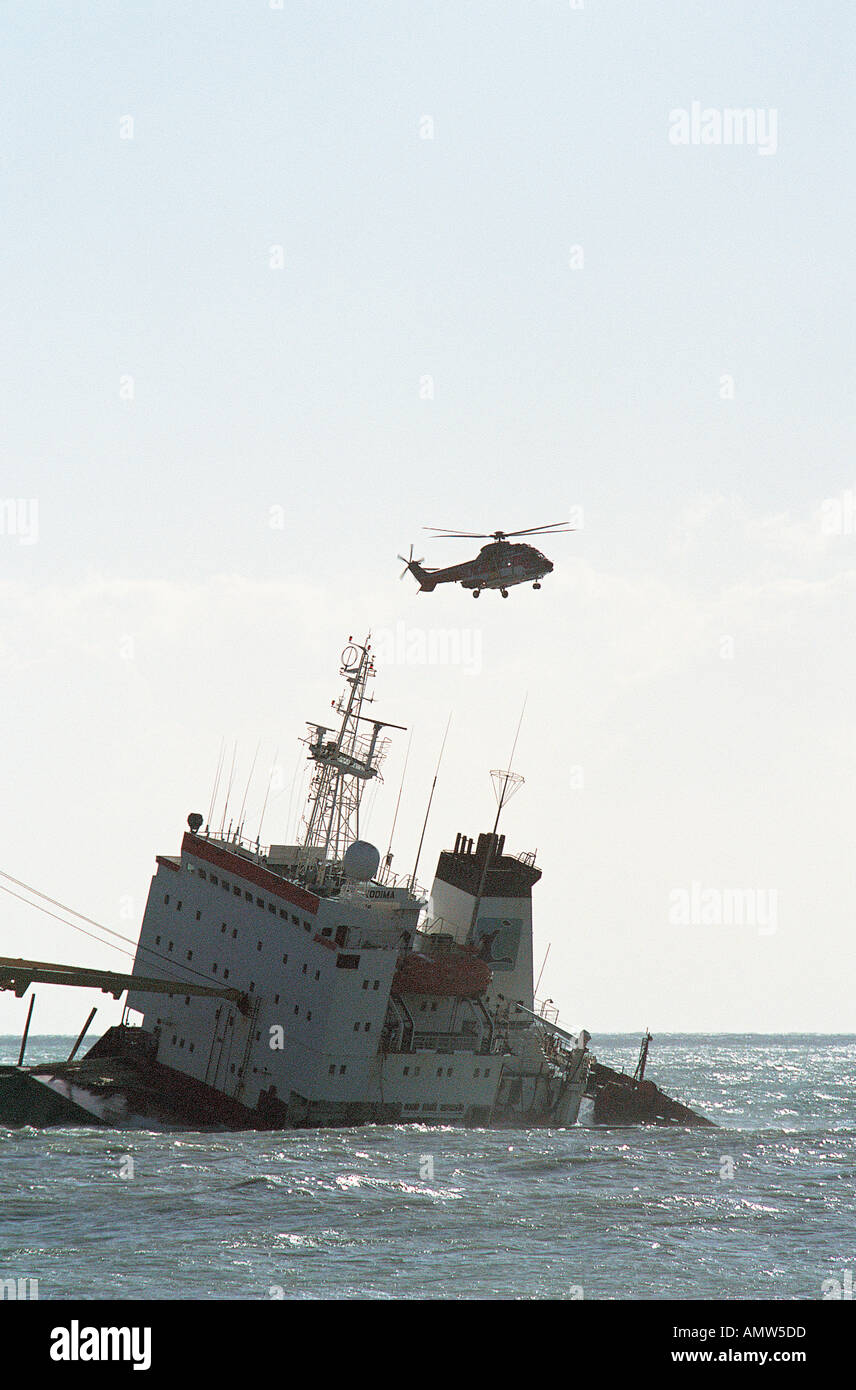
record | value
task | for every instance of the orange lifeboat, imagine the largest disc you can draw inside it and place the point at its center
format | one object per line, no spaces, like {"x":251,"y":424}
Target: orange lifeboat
{"x":459,"y":974}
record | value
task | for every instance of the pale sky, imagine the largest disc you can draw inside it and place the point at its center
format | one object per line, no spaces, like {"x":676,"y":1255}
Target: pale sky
{"x":365,"y":268}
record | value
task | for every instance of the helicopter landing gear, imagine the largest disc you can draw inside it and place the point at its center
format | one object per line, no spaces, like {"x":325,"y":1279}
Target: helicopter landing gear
{"x":536,"y":586}
{"x":476,"y":593}
{"x":504,"y":593}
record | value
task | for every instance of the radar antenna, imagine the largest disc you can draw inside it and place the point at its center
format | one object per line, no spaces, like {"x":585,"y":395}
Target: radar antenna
{"x":344,"y":764}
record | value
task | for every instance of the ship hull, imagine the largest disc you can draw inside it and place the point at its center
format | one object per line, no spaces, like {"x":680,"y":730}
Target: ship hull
{"x":120,"y":1085}
{"x":625,"y":1100}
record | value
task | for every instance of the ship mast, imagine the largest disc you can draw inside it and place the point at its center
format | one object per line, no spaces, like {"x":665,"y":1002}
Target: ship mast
{"x":505,"y":784}
{"x":344,"y":764}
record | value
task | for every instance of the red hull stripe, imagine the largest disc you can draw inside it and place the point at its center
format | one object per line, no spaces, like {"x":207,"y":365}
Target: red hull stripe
{"x":167,"y":863}
{"x":251,"y":873}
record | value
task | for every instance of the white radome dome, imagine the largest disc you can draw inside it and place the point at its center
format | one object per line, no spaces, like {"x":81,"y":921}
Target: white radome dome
{"x":361,"y":861}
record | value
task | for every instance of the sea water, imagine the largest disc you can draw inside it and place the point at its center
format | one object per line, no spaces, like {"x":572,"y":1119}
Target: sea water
{"x":761,"y":1207}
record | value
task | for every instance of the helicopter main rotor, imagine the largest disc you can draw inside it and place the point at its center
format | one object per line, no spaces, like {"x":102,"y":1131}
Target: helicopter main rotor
{"x":551,"y":529}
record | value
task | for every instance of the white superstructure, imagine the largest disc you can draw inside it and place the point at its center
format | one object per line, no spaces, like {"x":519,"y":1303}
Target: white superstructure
{"x":355,"y":1004}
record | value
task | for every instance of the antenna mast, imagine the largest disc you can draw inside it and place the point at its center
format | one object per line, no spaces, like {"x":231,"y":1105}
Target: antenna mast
{"x":387,"y":862}
{"x":505,"y":784}
{"x":430,"y":799}
{"x":343,"y":765}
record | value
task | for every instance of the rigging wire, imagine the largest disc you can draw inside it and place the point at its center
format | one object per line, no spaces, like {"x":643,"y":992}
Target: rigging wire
{"x":273,"y":768}
{"x":216,"y":780}
{"x":63,"y":907}
{"x":48,"y":913}
{"x":247,"y":790}
{"x":229,"y":787}
{"x":388,"y":859}
{"x":430,"y":799}
{"x":146,"y":950}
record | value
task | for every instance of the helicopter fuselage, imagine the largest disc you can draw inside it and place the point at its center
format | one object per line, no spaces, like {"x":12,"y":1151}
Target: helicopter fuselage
{"x":499,"y":565}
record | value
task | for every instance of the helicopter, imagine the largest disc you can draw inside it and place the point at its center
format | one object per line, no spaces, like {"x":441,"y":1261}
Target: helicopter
{"x":498,"y":565}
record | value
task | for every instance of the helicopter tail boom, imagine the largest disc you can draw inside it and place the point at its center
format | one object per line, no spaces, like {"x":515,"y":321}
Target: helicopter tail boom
{"x":427,"y":582}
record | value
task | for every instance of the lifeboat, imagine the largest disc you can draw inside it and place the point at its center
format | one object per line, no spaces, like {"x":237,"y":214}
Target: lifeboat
{"x":459,"y":974}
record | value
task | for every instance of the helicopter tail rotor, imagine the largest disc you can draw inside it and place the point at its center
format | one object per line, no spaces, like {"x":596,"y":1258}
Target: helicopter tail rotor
{"x":414,"y":567}
{"x":410,"y":565}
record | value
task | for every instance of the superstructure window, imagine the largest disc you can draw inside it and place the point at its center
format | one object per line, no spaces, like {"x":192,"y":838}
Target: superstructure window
{"x":237,"y":892}
{"x":347,"y":962}
{"x":295,"y":920}
{"x":201,"y":873}
{"x":285,"y":960}
{"x":260,"y":902}
{"x":166,"y":897}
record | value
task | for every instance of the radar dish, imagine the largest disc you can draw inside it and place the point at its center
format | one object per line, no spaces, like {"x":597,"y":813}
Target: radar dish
{"x":361,"y":861}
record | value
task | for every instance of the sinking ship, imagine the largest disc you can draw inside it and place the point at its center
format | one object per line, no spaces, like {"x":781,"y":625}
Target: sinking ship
{"x":306,"y":984}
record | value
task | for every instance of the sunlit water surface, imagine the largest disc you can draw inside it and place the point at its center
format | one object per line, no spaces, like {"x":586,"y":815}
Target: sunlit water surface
{"x":762,"y":1207}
